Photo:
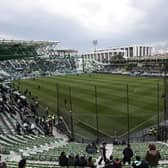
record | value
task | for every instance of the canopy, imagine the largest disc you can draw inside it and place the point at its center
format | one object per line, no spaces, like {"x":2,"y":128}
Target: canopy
{"x":13,"y":49}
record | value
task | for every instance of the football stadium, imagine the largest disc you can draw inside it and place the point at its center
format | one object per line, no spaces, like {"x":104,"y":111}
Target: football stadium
{"x":59,"y":109}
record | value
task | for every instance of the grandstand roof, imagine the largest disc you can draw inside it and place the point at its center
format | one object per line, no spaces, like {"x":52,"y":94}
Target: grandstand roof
{"x":27,"y":42}
{"x":66,"y":50}
{"x":12,"y":49}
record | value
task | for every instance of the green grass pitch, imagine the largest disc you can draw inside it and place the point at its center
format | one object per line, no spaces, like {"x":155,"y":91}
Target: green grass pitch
{"x":111,"y":91}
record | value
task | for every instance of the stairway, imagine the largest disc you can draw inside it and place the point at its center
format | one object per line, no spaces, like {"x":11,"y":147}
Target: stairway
{"x":11,"y":121}
{"x":1,"y":130}
{"x":4,"y":128}
{"x":5,"y":125}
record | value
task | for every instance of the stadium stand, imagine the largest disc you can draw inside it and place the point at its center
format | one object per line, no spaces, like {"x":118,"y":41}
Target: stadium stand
{"x":69,"y":148}
{"x":27,"y":143}
{"x":37,"y":67}
{"x":25,"y":134}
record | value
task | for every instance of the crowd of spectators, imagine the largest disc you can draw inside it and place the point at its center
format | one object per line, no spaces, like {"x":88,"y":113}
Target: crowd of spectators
{"x":151,"y":159}
{"x":75,"y":161}
{"x":27,"y":112}
{"x":37,"y":66}
{"x":45,"y":122}
{"x":27,"y":118}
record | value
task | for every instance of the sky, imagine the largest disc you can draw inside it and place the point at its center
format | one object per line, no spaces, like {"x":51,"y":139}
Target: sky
{"x":76,"y":23}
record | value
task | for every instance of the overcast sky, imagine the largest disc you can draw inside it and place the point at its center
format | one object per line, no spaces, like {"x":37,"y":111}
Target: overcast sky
{"x":76,"y":23}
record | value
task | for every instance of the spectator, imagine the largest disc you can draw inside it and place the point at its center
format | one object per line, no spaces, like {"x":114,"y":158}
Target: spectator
{"x":63,"y":160}
{"x":26,"y":127}
{"x":22,"y":163}
{"x":138,"y":163}
{"x":115,"y":142}
{"x":36,"y":104}
{"x":53,"y":120}
{"x":117,"y":163}
{"x":94,"y":147}
{"x":71,"y":160}
{"x":4,"y":165}
{"x":128,"y":153}
{"x":111,"y":159}
{"x":90,"y":162}
{"x":46,"y":128}
{"x":18,"y":128}
{"x":103,"y":153}
{"x":88,"y":147}
{"x":77,"y":160}
{"x":123,"y":142}
{"x":152,"y":156}
{"x":109,"y":162}
{"x":108,"y":165}
{"x":82,"y":162}
{"x":1,"y":163}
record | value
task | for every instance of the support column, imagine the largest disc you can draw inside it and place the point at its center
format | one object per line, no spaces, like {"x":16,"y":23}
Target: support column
{"x":101,"y":54}
{"x":125,"y":53}
{"x":128,"y":52}
{"x":146,"y":48}
{"x":141,"y":52}
{"x":135,"y":48}
{"x":147,"y":51}
{"x":144,"y":51}
{"x":138,"y":51}
{"x":108,"y":57}
{"x":134,"y":51}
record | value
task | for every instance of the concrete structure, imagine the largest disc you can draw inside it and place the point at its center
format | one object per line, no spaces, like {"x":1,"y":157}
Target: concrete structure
{"x":105,"y":55}
{"x":137,"y":51}
{"x":61,"y":53}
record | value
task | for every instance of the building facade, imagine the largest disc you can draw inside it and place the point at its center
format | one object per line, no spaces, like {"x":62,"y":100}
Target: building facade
{"x":102,"y":55}
{"x":105,"y":55}
{"x":137,"y":51}
{"x":62,"y":53}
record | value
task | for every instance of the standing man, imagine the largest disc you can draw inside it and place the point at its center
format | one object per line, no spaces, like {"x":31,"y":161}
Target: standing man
{"x":103,"y":153}
{"x":128,"y":153}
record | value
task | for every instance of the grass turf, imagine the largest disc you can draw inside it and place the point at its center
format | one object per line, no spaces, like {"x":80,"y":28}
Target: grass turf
{"x":111,"y":91}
